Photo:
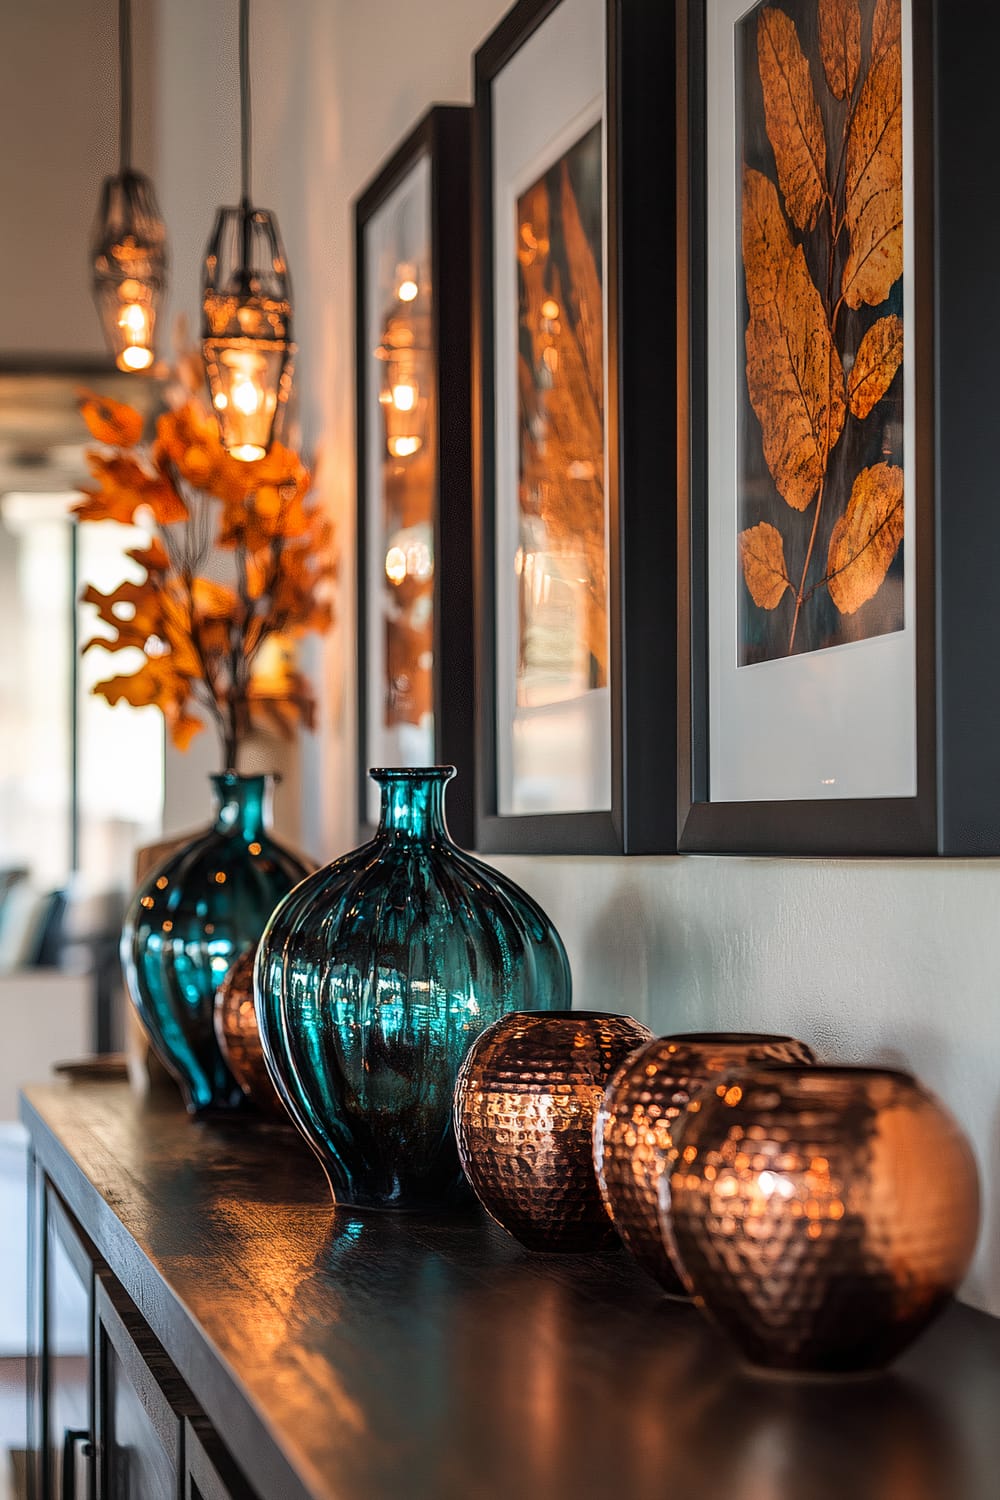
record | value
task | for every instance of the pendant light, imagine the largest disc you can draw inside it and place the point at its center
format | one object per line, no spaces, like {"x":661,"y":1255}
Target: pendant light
{"x":246,"y":306}
{"x":129,"y":250}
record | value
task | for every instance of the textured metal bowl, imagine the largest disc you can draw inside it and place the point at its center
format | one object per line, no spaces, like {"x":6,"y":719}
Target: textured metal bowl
{"x":239,"y":1038}
{"x":525,"y":1102}
{"x":822,"y":1216}
{"x":644,"y":1096}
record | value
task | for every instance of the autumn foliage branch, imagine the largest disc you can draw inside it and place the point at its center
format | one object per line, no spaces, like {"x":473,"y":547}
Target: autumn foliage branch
{"x":203,"y":641}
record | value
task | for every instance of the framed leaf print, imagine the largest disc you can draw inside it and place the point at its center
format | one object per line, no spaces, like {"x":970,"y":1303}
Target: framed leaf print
{"x":414,"y":517}
{"x":807,"y":642}
{"x":574,"y":549}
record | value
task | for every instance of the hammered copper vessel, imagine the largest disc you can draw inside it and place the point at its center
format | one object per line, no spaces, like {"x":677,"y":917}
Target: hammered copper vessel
{"x":644,"y":1097}
{"x":239,"y":1038}
{"x":525,"y":1102}
{"x":822,"y":1216}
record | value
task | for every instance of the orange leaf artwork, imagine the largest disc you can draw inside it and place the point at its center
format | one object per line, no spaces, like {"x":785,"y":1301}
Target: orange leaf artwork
{"x":866,"y":538}
{"x":820,"y":435}
{"x":762,"y":553}
{"x":200,"y":634}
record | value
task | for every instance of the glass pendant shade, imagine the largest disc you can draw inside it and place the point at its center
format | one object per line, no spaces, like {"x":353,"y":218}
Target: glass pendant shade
{"x":247,"y":329}
{"x":130,"y":267}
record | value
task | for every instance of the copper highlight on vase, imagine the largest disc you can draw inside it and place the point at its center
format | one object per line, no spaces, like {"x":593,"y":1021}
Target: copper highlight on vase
{"x":239,"y":1037}
{"x":632,"y":1130}
{"x":823,"y":1216}
{"x":525,"y":1103}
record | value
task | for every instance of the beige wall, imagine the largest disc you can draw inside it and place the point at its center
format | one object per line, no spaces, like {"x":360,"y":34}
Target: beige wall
{"x":881,"y":959}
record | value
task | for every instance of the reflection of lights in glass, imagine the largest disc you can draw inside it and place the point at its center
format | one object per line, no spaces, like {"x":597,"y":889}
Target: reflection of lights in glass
{"x":404,"y":351}
{"x":404,"y":397}
{"x":412,"y":560}
{"x":581,"y":468}
{"x":550,"y":309}
{"x":395,"y":565}
{"x":407,"y":287}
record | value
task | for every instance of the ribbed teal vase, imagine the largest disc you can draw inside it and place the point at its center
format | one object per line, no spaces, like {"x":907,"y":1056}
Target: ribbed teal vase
{"x":189,"y":919}
{"x":375,"y":976}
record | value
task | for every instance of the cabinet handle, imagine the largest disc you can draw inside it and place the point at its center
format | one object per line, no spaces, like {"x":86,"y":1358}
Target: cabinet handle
{"x":73,"y":1436}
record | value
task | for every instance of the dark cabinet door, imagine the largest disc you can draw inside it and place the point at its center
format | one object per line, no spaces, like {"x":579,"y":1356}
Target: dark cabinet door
{"x":141,"y":1406}
{"x":210,"y":1473}
{"x":67,"y":1365}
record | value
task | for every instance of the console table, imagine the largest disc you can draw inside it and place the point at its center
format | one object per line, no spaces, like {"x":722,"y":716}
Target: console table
{"x":208,"y":1327}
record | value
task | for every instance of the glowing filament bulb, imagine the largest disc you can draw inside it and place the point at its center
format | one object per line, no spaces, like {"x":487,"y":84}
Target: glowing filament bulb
{"x":245,"y":395}
{"x":404,"y":396}
{"x":133,"y":320}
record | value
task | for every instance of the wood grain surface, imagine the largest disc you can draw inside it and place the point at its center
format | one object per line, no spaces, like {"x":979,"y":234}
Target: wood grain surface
{"x":383,"y":1357}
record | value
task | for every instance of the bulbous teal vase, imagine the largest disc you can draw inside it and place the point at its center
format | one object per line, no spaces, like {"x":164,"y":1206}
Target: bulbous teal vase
{"x":375,"y":976}
{"x":190,"y":918}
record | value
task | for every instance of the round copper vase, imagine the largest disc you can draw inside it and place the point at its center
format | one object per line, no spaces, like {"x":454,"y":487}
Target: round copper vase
{"x":239,"y":1038}
{"x":644,"y":1097}
{"x":524,"y":1112}
{"x":822,"y":1215}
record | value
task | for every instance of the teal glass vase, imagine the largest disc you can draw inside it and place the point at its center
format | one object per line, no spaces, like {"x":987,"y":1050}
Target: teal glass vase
{"x":191,"y":917}
{"x":375,"y":976}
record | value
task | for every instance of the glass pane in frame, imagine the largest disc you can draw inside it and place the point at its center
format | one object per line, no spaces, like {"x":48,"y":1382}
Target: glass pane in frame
{"x":400,"y":479}
{"x":553,"y":698}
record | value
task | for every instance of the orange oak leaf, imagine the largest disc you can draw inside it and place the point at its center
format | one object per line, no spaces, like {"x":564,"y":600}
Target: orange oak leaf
{"x":110,"y":422}
{"x":886,"y":27}
{"x":762,"y":553}
{"x":123,"y":488}
{"x":866,"y":538}
{"x":213,"y":600}
{"x":152,"y":557}
{"x":874,"y":185}
{"x":794,"y":374}
{"x":794,"y":123}
{"x":840,"y":44}
{"x":183,"y":727}
{"x":879,"y":356}
{"x":156,"y":685}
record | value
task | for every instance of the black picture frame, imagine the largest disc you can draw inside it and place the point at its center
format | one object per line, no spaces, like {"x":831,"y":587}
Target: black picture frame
{"x":956,"y":809}
{"x":443,"y":136}
{"x":640,"y":436}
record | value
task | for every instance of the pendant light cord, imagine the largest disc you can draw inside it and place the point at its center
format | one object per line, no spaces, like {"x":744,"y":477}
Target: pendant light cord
{"x":245,"y":104}
{"x":125,"y":86}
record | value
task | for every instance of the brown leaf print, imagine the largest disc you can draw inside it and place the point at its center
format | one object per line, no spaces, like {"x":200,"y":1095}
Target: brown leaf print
{"x":840,"y":44}
{"x":794,"y":123}
{"x":794,"y":374}
{"x":866,"y":538}
{"x":762,"y":554}
{"x":879,"y":356}
{"x":886,"y":28}
{"x":874,"y":185}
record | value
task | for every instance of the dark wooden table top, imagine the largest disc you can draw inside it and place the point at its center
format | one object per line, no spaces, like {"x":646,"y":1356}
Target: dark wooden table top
{"x":388,"y":1357}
